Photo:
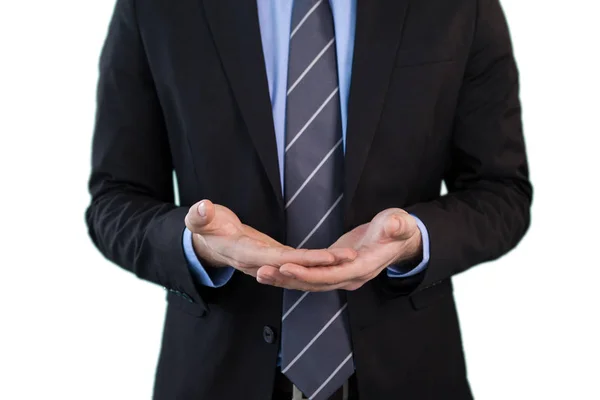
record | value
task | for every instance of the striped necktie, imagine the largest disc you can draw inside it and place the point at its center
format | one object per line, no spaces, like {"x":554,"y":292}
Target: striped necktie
{"x":316,"y":348}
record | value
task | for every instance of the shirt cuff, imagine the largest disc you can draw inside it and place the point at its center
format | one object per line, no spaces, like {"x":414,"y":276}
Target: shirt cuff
{"x":400,"y":271}
{"x":211,"y":277}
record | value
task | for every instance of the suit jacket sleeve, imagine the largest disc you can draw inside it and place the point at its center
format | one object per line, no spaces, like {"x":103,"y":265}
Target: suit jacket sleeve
{"x":132,"y":218}
{"x":487,"y":209}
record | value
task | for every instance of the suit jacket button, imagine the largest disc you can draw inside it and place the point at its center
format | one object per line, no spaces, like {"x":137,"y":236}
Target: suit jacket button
{"x":269,"y":334}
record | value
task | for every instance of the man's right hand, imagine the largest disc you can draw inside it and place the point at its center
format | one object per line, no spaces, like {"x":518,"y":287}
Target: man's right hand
{"x":220,"y":239}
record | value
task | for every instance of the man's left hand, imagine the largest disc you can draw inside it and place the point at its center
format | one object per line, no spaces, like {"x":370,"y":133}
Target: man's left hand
{"x":391,"y":237}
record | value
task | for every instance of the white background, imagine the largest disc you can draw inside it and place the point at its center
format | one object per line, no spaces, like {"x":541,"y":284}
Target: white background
{"x":73,"y":326}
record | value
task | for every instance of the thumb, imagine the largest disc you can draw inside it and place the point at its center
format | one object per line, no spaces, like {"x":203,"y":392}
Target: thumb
{"x":398,"y":226}
{"x":200,"y":216}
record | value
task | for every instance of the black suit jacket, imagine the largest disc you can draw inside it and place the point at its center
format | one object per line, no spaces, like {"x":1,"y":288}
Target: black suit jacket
{"x":434,"y":97}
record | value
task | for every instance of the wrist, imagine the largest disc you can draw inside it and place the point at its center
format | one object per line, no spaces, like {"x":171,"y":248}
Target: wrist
{"x":412,"y":252}
{"x":204,"y":252}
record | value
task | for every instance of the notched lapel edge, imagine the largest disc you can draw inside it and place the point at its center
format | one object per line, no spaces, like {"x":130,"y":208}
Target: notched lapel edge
{"x":235,"y":28}
{"x":379,"y":27}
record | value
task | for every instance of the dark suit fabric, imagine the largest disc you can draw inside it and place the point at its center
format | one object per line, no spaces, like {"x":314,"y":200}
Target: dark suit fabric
{"x":433,"y":98}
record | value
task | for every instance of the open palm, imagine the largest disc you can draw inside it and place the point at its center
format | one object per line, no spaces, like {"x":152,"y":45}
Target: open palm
{"x":221,"y":239}
{"x":392,"y":236}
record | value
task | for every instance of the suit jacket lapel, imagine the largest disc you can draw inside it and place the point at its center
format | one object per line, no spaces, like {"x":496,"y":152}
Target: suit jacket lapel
{"x":378,"y":33}
{"x":236,"y":31}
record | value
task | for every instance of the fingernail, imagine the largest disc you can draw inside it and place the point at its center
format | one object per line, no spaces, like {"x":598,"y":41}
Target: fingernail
{"x":202,"y":209}
{"x":265,"y":280}
{"x":395,"y":224}
{"x":288,"y":274}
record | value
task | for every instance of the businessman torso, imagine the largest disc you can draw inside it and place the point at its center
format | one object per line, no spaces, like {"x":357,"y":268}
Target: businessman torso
{"x":199,"y":72}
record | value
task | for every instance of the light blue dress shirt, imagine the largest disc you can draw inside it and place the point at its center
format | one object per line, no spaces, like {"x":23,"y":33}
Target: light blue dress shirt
{"x":275,"y":19}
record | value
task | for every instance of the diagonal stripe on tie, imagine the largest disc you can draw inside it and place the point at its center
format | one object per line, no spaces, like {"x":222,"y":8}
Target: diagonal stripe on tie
{"x":298,"y":24}
{"x":321,"y":221}
{"x":296,"y":136}
{"x":313,"y":173}
{"x":312,"y":31}
{"x":321,"y":225}
{"x":311,"y":65}
{"x":317,"y":85}
{"x":321,"y":356}
{"x":288,"y":310}
{"x":345,"y":364}
{"x":310,"y":149}
{"x":312,"y":323}
{"x":314,"y":339}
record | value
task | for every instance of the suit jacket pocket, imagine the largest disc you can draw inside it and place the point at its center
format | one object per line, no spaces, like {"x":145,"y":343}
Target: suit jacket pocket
{"x":428,"y":296}
{"x":182,"y":303}
{"x":417,"y":57}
